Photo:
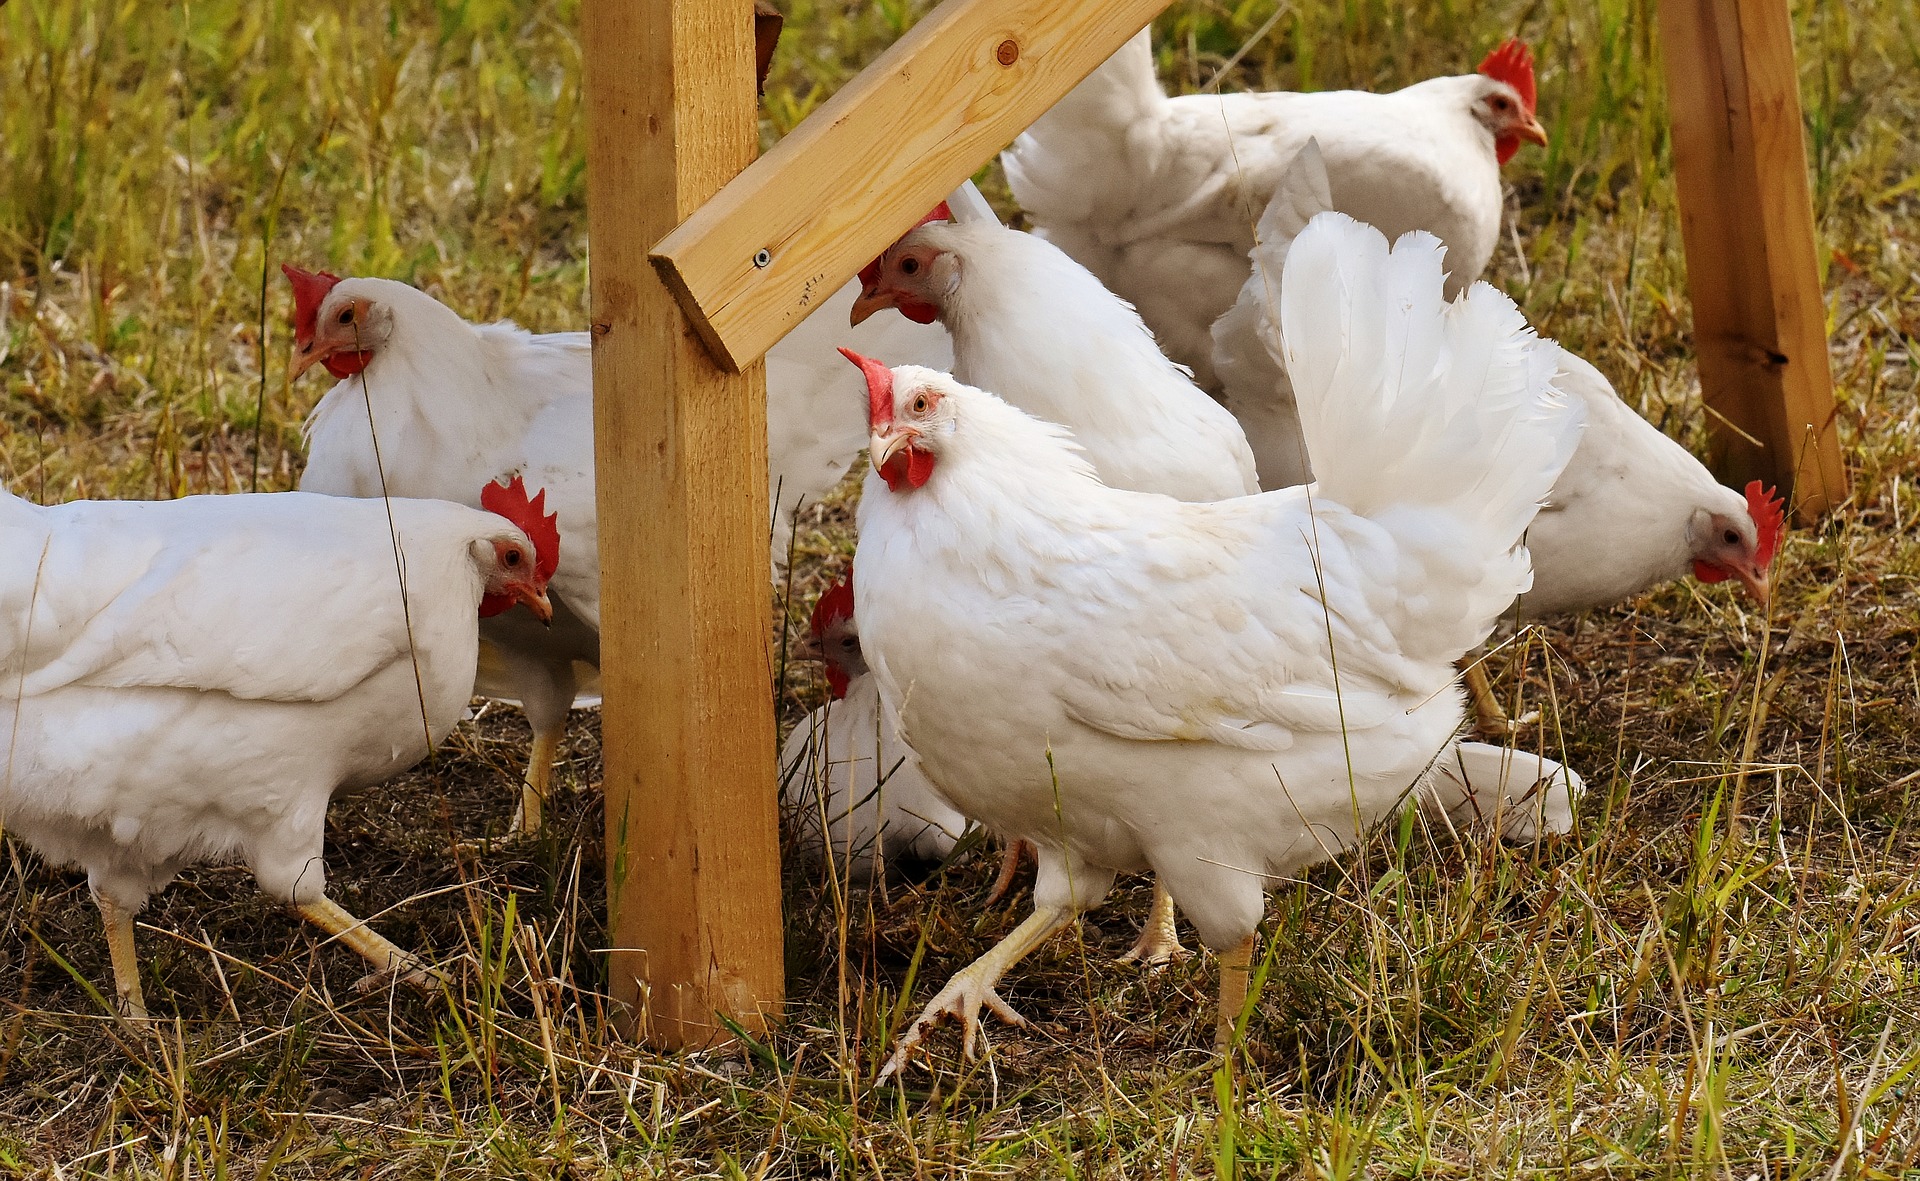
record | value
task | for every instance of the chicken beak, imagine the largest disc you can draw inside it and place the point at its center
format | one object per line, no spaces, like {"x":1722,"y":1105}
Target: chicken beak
{"x":808,"y":648}
{"x":871,"y":300}
{"x":882,"y":448}
{"x":1758,"y":585}
{"x":305,"y":357}
{"x":1532,"y":132}
{"x":536,"y":601}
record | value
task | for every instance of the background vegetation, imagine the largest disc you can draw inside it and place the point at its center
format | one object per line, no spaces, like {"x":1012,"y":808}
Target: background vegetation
{"x":1666,"y":992}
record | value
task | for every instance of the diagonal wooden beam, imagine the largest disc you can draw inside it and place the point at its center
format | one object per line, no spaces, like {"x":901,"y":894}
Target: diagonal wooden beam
{"x":858,"y":172}
{"x":1746,"y":218}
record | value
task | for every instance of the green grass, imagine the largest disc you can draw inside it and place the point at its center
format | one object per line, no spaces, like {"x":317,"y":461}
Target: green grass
{"x":1660,"y":994}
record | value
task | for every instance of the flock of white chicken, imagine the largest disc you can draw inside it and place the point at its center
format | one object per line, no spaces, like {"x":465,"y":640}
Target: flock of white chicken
{"x":1082,"y":623}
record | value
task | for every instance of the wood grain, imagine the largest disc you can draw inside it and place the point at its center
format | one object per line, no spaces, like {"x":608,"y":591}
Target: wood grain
{"x":1746,"y":216}
{"x":860,"y":170}
{"x":688,"y":737}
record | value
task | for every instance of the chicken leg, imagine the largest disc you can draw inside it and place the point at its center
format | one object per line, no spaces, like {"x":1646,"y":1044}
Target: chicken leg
{"x":1488,"y":717}
{"x":1159,"y":940}
{"x":1017,"y":850}
{"x":1234,"y":966}
{"x":126,"y":961}
{"x":377,"y":949}
{"x":974,"y":986}
{"x":539,"y":778}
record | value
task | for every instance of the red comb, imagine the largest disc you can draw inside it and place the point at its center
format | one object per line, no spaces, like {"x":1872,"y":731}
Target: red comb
{"x":309,"y":292}
{"x":1512,"y":63}
{"x":1769,"y":517}
{"x":834,"y":606}
{"x":879,"y":388}
{"x":541,"y":527}
{"x":870,"y":274}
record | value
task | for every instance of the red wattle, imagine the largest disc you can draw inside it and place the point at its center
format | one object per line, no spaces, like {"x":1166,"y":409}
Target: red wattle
{"x":491,"y":605}
{"x":919,"y":313}
{"x":1505,"y":147}
{"x":836,"y":683}
{"x":1706,"y":571}
{"x":345,"y":365}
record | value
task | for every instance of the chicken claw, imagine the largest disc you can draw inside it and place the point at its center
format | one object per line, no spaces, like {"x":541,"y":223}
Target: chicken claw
{"x":1159,"y":941}
{"x":974,"y":987}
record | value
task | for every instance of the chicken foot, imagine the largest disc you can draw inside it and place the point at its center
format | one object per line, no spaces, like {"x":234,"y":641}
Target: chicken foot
{"x":974,"y":986}
{"x":1159,"y":941}
{"x":1234,"y":969}
{"x":531,"y":815}
{"x":390,"y":959}
{"x":126,"y":961}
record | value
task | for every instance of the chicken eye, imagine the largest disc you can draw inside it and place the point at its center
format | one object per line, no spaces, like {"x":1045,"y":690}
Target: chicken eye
{"x":919,"y":404}
{"x":849,"y":643}
{"x":1732,"y":537}
{"x":513,"y":557}
{"x":909,"y":266}
{"x":346,"y":316}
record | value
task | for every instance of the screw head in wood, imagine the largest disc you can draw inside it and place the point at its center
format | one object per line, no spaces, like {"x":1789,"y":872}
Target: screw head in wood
{"x":762,"y":259}
{"x":1008,"y":52}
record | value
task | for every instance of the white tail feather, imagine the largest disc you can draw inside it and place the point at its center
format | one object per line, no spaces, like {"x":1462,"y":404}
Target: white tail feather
{"x":1438,"y":421}
{"x":968,"y":204}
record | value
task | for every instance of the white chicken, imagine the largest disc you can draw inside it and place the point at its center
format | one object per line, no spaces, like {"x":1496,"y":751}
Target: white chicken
{"x":1039,"y":330}
{"x":1222,"y":692}
{"x":878,"y":807}
{"x":191,"y":681}
{"x":1158,"y":196}
{"x":1632,"y":510}
{"x":457,"y":404}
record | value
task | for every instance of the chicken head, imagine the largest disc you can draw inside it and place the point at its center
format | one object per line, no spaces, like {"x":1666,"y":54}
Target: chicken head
{"x":1739,"y":545}
{"x":335,"y":330}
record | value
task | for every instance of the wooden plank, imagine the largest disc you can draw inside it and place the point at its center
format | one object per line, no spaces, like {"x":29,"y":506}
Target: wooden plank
{"x":1746,"y":217}
{"x":859,"y":171}
{"x":687,"y":726}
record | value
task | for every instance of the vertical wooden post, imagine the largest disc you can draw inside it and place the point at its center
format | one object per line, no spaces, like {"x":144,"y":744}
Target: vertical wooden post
{"x":1746,"y":216}
{"x":680,"y":449}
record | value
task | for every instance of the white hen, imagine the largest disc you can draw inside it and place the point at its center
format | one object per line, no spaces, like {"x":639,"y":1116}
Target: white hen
{"x":1633,"y":508}
{"x":1040,"y":331}
{"x":1158,"y":195}
{"x":877,"y":807}
{"x":1226,"y":692}
{"x":192,"y":680}
{"x":457,"y":404}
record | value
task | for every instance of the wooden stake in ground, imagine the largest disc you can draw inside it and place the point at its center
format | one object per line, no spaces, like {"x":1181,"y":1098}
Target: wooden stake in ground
{"x":693,"y":863}
{"x":1759,"y":323}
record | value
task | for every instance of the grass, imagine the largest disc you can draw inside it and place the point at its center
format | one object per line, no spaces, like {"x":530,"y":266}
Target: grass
{"x":1667,"y":992}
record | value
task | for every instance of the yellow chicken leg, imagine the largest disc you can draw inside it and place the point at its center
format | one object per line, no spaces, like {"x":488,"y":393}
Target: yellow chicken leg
{"x":1159,"y":941}
{"x":1488,"y":717}
{"x":1234,"y":967}
{"x":974,"y":986}
{"x":539,"y":778}
{"x":126,"y":961}
{"x":376,"y":948}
